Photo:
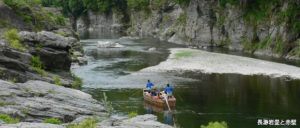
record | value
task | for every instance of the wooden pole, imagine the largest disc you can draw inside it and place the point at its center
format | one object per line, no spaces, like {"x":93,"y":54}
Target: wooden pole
{"x":166,"y":98}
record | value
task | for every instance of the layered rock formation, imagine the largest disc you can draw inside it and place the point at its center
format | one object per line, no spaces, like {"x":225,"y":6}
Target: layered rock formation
{"x":95,"y":25}
{"x":36,"y":51}
{"x":204,"y":23}
{"x":53,"y":51}
{"x":35,"y":101}
{"x":16,"y":21}
{"x":56,"y":48}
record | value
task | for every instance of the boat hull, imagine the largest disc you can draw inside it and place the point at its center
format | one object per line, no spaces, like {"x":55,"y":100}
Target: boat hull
{"x":158,"y":102}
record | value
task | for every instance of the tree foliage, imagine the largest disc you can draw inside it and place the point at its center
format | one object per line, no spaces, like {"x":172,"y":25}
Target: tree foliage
{"x":78,"y":7}
{"x":215,"y":125}
{"x":138,"y":4}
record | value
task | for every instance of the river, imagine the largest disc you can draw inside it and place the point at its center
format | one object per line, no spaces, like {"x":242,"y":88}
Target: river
{"x":240,"y":100}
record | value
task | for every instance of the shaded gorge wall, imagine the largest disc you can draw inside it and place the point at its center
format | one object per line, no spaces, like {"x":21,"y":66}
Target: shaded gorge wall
{"x":256,"y":26}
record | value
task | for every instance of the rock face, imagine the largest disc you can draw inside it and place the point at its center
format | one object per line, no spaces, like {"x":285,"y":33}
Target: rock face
{"x":204,"y":23}
{"x":7,"y":14}
{"x":35,"y":101}
{"x":100,"y":25}
{"x":55,"y":52}
{"x":31,"y":125}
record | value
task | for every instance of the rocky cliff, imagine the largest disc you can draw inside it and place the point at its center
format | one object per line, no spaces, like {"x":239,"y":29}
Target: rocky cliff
{"x":269,"y":27}
{"x":37,"y":49}
{"x":35,"y":44}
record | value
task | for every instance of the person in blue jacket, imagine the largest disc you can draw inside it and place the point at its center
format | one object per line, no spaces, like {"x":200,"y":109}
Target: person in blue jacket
{"x":149,"y":85}
{"x":168,"y":90}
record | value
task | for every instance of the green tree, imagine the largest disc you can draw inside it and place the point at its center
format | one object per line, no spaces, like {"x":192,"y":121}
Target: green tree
{"x":76,"y":7}
{"x":138,"y":4}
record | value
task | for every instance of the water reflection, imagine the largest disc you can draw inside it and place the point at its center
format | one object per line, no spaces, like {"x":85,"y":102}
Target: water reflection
{"x":168,"y":115}
{"x":154,"y":108}
{"x":237,"y":99}
{"x":105,"y":65}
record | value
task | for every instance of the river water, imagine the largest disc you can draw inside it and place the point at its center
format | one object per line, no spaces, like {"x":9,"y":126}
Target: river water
{"x":240,"y":100}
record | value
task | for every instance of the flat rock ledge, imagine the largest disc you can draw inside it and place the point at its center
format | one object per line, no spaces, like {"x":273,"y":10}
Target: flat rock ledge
{"x":141,"y":121}
{"x":31,"y":125}
{"x":185,"y":59}
{"x":35,"y":101}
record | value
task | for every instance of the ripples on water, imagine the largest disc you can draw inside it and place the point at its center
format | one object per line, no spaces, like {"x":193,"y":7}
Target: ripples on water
{"x":239,"y":100}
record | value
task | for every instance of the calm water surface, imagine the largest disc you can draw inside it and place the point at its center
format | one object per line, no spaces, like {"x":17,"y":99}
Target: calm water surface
{"x":237,"y":99}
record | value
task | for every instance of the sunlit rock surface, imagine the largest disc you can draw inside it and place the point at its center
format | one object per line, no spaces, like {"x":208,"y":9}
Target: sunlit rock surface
{"x":35,"y":101}
{"x":209,"y":62}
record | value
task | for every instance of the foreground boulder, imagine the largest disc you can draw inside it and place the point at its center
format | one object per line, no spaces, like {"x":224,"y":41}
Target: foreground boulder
{"x":142,"y":121}
{"x":35,"y":101}
{"x":31,"y":125}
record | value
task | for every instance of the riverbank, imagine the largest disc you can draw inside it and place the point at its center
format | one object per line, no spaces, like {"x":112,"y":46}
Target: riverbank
{"x":201,"y":23}
{"x":37,"y":48}
{"x":34,"y":102}
{"x":184,"y":59}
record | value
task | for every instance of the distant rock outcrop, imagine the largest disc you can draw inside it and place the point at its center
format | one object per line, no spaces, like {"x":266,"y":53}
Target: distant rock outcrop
{"x":209,"y":23}
{"x":108,"y":44}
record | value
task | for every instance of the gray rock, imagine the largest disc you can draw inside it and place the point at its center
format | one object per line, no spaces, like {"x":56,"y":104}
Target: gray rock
{"x":48,"y":39}
{"x":2,"y":122}
{"x":35,"y":101}
{"x":11,"y":63}
{"x":81,"y":119}
{"x":95,"y":25}
{"x":202,"y":23}
{"x":54,"y":58}
{"x":8,"y":15}
{"x":141,"y":121}
{"x":82,"y":60}
{"x":28,"y":36}
{"x":54,"y":10}
{"x":109,"y":44}
{"x":152,"y":49}
{"x":78,"y":53}
{"x":53,"y":51}
{"x":31,"y":125}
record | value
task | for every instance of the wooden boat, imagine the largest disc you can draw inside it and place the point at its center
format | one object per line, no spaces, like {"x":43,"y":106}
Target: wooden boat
{"x":161,"y":102}
{"x":152,"y":107}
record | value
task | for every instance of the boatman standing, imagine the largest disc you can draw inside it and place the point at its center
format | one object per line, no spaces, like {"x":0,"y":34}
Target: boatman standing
{"x":149,"y":85}
{"x":168,"y":90}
